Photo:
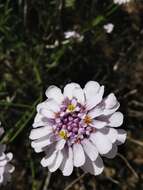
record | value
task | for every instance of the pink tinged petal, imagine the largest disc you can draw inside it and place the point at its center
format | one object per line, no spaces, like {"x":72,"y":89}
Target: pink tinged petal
{"x":98,"y":124}
{"x":121,"y":137}
{"x":46,"y":161}
{"x":101,"y":142}
{"x":47,"y":113}
{"x":112,"y":153}
{"x":67,"y":167}
{"x":116,"y":119}
{"x":55,"y":93}
{"x":94,"y":168}
{"x":78,"y":154}
{"x":112,"y":135}
{"x":90,"y":149}
{"x":60,"y":144}
{"x":78,"y":93}
{"x":40,"y":132}
{"x":68,"y":89}
{"x":94,"y":101}
{"x":57,"y":162}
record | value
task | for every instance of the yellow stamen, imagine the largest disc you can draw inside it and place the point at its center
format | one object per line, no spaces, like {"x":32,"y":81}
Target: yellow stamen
{"x":71,"y":107}
{"x":87,"y":120}
{"x":63,"y":134}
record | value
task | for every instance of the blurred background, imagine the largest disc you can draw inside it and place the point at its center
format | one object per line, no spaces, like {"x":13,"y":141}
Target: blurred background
{"x":36,"y":51}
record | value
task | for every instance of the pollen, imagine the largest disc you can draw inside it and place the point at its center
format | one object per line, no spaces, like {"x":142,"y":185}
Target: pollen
{"x":87,"y":120}
{"x":63,"y":134}
{"x":71,"y":107}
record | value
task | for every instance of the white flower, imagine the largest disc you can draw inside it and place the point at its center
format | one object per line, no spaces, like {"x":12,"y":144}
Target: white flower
{"x":120,"y":2}
{"x":109,"y":27}
{"x":77,"y":127}
{"x":74,"y":35}
{"x":5,"y":167}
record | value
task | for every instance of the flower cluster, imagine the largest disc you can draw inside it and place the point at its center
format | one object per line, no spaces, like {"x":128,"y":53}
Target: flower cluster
{"x":108,"y":27}
{"x":120,"y":2}
{"x":6,"y":168}
{"x":77,"y":127}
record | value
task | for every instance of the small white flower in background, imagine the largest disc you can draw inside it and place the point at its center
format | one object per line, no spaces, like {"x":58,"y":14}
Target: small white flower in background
{"x":74,"y":35}
{"x":120,"y":2}
{"x":109,"y":27}
{"x":5,"y":167}
{"x":77,"y":127}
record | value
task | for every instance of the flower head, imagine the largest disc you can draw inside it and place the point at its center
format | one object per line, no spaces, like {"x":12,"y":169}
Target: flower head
{"x":77,"y":127}
{"x":73,"y":35}
{"x":120,"y":2}
{"x":5,"y":167}
{"x":109,"y":27}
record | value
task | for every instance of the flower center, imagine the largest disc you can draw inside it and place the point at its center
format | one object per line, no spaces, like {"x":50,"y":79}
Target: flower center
{"x":71,"y":107}
{"x":88,"y":120}
{"x":72,"y":122}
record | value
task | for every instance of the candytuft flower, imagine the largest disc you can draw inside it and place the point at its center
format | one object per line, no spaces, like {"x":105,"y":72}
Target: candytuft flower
{"x":6,"y":168}
{"x":77,"y":127}
{"x":108,"y":27}
{"x":120,"y":2}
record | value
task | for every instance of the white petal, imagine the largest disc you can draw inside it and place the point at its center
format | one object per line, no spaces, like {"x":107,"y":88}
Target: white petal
{"x":55,"y":93}
{"x":101,"y":141}
{"x":67,"y":167}
{"x":49,"y":104}
{"x":56,"y":164}
{"x":79,"y":95}
{"x":9,"y":156}
{"x":38,"y":124}
{"x":95,"y":168}
{"x":60,"y":144}
{"x":2,"y":156}
{"x":110,"y":101}
{"x":111,"y":104}
{"x":10,"y":168}
{"x":121,"y":137}
{"x":41,"y":143}
{"x":91,"y":89}
{"x":116,"y":119}
{"x":112,"y":153}
{"x":46,"y":161}
{"x":3,"y":162}
{"x":98,"y":124}
{"x":40,"y":132}
{"x":79,"y":156}
{"x":68,"y":89}
{"x":90,"y":149}
{"x":47,"y":113}
{"x":93,"y":101}
{"x":95,"y":112}
{"x":38,"y":118}
{"x":112,"y":135}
